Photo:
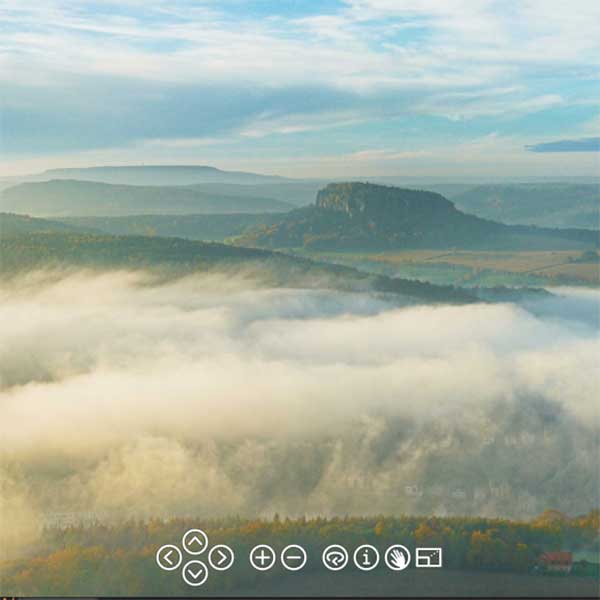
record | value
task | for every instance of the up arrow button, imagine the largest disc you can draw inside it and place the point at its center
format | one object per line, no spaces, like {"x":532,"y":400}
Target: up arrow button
{"x":195,"y":541}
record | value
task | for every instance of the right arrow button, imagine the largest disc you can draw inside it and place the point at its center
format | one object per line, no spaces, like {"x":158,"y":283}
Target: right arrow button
{"x":221,"y":557}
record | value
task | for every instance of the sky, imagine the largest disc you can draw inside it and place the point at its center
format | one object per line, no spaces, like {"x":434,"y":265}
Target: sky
{"x":311,"y":88}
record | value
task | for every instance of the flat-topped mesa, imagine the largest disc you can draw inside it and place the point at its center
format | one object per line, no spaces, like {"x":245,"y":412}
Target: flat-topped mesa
{"x":375,"y":202}
{"x":366,"y":217}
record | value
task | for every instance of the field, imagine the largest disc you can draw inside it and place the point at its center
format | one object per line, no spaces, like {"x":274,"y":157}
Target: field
{"x":464,"y":267}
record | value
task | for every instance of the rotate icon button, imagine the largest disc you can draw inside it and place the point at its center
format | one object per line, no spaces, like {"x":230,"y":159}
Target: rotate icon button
{"x":335,"y":557}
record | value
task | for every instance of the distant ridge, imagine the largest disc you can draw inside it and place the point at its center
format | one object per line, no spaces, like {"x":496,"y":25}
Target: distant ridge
{"x":66,"y":197}
{"x":547,"y":205}
{"x":153,"y":175}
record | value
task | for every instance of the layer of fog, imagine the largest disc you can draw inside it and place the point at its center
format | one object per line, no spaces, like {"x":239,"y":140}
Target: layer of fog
{"x":206,"y":396}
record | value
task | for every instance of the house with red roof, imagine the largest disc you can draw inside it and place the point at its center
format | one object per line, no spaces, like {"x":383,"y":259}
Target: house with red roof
{"x":557,"y":562}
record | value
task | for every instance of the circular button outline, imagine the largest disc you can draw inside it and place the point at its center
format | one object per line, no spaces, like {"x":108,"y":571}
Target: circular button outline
{"x":172,"y":547}
{"x":270,"y":566}
{"x":376,"y":556}
{"x":199,"y":533}
{"x":197,"y":583}
{"x":337,"y":547}
{"x":304,"y":555}
{"x":214,"y":565}
{"x":392,"y":567}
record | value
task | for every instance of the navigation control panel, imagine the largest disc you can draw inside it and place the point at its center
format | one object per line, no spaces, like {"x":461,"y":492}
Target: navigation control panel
{"x":188,"y":557}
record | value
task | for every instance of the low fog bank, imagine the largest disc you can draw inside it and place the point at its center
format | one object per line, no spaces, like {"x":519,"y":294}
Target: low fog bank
{"x":205,"y":396}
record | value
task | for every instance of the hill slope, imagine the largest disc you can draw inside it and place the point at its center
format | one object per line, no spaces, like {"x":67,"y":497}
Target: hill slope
{"x":549,"y":205}
{"x":359,"y":216}
{"x":84,"y":198}
{"x":215,"y":228}
{"x":298,"y":193}
{"x":174,"y":256}
{"x":13,"y":224}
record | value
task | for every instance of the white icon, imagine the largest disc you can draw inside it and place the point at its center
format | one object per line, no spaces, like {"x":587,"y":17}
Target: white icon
{"x":221,"y":557}
{"x":194,"y":573}
{"x":366,"y":557}
{"x":293,"y":557}
{"x":194,"y":541}
{"x":168,"y":557}
{"x":429,"y":558}
{"x":335,"y":557}
{"x":262,"y":557}
{"x":397,"y":557}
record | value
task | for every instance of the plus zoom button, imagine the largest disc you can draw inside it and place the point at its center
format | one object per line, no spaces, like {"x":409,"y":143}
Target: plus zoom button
{"x":262,"y":557}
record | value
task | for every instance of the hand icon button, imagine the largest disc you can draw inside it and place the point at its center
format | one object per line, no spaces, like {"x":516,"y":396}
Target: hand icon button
{"x":397,"y":557}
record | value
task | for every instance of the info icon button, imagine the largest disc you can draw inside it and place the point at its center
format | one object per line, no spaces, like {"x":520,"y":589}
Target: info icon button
{"x":366,"y":557}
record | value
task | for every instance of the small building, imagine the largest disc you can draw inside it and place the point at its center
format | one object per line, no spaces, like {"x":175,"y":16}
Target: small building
{"x":557,"y":562}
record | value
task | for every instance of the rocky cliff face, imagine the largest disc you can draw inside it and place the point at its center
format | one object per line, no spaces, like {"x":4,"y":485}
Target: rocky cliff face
{"x":379,"y":203}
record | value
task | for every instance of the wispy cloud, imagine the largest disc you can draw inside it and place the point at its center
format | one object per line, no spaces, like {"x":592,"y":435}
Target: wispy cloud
{"x":590,"y":144}
{"x":385,"y":155}
{"x":83,"y":76}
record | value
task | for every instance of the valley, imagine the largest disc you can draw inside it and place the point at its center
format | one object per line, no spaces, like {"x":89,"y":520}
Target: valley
{"x":474,"y":268}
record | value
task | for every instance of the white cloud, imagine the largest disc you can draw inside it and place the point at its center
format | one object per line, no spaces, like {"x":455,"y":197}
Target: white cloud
{"x":207,"y":395}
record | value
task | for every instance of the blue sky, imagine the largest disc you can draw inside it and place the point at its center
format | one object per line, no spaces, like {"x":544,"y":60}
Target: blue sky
{"x":303,"y":88}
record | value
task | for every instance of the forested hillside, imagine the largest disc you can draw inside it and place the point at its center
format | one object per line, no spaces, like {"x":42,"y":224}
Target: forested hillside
{"x":13,"y":224}
{"x":118,"y":560}
{"x":214,"y":228}
{"x":176,"y":256}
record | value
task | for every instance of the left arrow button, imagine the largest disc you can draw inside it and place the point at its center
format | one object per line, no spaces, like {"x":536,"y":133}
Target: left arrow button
{"x":168,"y":557}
